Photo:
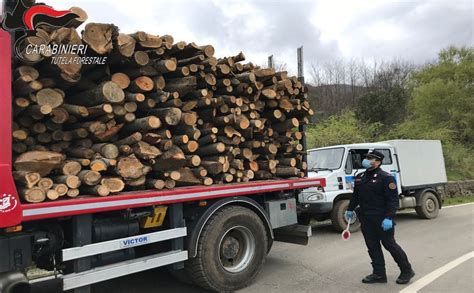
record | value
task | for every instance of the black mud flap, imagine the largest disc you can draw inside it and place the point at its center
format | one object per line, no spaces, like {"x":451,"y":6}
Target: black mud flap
{"x":296,"y":234}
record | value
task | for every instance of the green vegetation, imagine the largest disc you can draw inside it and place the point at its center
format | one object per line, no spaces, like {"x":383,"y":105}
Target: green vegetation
{"x":449,"y":201}
{"x":386,"y":106}
{"x":436,"y":101}
{"x":340,"y":129}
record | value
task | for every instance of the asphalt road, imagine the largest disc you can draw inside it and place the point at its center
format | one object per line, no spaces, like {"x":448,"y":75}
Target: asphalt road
{"x":329,"y":264}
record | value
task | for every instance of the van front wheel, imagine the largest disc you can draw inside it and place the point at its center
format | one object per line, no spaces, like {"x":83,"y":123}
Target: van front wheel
{"x":337,"y":217}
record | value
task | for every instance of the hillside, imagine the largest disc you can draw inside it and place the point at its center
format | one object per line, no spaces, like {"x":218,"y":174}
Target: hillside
{"x":331,"y":99}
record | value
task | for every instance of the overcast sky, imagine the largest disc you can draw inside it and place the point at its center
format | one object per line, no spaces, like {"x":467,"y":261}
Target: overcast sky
{"x":328,"y":30}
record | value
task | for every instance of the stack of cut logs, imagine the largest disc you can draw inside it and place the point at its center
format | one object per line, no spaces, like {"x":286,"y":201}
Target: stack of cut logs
{"x":158,"y":114}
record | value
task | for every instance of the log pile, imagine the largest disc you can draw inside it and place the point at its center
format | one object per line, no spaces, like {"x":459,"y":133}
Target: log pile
{"x":158,"y":114}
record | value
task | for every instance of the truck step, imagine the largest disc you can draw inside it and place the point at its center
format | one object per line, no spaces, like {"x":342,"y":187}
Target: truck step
{"x":99,"y":274}
{"x":122,"y":243}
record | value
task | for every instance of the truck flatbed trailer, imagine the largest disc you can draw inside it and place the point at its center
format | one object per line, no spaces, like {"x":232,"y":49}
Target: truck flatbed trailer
{"x":134,"y":199}
{"x":81,"y":241}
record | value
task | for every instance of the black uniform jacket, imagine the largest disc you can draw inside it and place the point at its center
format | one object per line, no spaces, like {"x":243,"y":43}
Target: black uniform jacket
{"x":375,"y":191}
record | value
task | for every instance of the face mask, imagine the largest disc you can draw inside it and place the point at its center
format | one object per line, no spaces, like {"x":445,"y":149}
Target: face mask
{"x":366,"y":163}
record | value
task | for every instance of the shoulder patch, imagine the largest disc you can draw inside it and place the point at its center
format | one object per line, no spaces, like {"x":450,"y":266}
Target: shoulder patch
{"x":392,"y":186}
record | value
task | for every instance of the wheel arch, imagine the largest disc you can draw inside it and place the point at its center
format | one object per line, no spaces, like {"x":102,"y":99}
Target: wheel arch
{"x":342,"y":196}
{"x":195,"y":228}
{"x":420,"y":192}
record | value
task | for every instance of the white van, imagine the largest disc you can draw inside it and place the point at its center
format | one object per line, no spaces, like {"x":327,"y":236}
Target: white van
{"x":417,"y":165}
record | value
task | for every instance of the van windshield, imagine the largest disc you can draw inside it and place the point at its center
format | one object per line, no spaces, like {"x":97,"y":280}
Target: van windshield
{"x":325,"y":159}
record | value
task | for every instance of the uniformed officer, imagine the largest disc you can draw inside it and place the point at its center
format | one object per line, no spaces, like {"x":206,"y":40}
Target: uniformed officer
{"x":376,"y":193}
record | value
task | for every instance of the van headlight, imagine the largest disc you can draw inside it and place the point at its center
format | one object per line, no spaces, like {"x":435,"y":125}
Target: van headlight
{"x":315,"y":196}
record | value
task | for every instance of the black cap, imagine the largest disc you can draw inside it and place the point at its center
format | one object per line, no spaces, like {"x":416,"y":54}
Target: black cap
{"x":376,"y":155}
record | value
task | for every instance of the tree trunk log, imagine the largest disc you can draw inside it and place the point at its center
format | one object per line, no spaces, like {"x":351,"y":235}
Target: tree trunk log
{"x":89,"y":177}
{"x":26,"y":178}
{"x":100,"y":37}
{"x":42,"y":162}
{"x":114,"y":184}
{"x":172,"y":159}
{"x":106,"y":92}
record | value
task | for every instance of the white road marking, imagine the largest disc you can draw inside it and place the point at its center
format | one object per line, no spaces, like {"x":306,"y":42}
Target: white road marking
{"x":419,"y":284}
{"x":458,"y":205}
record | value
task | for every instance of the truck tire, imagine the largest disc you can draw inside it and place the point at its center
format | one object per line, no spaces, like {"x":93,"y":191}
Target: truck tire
{"x":231,"y":250}
{"x":428,"y":206}
{"x":337,"y":217}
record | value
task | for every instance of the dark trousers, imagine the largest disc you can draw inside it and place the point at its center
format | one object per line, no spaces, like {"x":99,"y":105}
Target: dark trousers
{"x":374,"y":235}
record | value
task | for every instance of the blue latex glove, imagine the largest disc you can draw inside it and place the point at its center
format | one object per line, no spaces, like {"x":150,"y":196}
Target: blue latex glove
{"x":348,"y":215}
{"x":387,"y":224}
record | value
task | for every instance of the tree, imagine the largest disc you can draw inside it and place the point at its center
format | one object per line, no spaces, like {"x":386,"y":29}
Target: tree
{"x":386,"y":106}
{"x":386,"y":101}
{"x":442,"y":107}
{"x":443,"y":93}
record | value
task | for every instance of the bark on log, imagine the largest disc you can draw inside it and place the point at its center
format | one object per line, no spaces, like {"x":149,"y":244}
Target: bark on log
{"x":89,"y":177}
{"x":125,"y":45}
{"x":106,"y":92}
{"x":106,"y":150}
{"x":211,"y":149}
{"x":155,"y":183}
{"x":100,"y":190}
{"x":131,"y":168}
{"x":121,"y":79}
{"x":141,"y":84}
{"x":147,"y":41}
{"x":32,"y":195}
{"x":72,"y":192}
{"x":170,"y":116}
{"x":81,"y":152}
{"x":42,"y":162}
{"x":52,"y":194}
{"x":170,"y":183}
{"x":45,"y":183}
{"x":187,"y":178}
{"x":146,"y":151}
{"x":139,"y":182}
{"x":213,"y":168}
{"x":70,"y":168}
{"x":70,"y":180}
{"x":100,"y":37}
{"x":145,"y":123}
{"x":114,"y":184}
{"x":193,"y":161}
{"x":26,"y":178}
{"x":61,"y":189}
{"x":49,"y":97}
{"x":286,"y":171}
{"x":172,"y":159}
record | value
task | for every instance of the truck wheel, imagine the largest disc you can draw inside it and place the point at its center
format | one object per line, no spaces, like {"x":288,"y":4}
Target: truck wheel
{"x":429,"y":206}
{"x":337,"y":217}
{"x":231,"y":250}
